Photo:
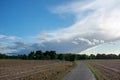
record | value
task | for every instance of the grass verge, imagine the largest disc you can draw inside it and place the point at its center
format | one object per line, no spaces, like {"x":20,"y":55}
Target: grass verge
{"x":94,"y":71}
{"x":61,"y":76}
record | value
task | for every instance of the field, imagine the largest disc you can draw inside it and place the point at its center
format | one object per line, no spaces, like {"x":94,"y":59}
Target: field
{"x":33,"y":69}
{"x":106,"y":69}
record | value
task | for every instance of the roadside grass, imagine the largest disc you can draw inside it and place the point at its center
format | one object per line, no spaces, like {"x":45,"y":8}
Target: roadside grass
{"x":61,"y":76}
{"x":102,"y":73}
{"x":94,"y":71}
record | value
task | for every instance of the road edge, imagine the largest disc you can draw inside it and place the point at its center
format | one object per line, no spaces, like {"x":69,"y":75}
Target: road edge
{"x":66,"y":72}
{"x":94,"y":71}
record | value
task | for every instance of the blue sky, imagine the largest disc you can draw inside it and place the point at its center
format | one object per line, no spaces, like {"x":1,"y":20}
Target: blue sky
{"x":29,"y":17}
{"x":64,"y":25}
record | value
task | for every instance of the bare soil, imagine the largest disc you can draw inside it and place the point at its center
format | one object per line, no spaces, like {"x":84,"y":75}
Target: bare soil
{"x":33,"y":69}
{"x":108,"y":69}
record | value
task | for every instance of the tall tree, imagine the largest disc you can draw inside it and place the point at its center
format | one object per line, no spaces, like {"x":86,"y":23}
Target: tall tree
{"x":53,"y":55}
{"x":38,"y":55}
{"x":31,"y":55}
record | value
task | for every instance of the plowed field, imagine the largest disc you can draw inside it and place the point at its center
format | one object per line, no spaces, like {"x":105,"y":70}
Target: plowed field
{"x":107,"y":69}
{"x":32,"y":69}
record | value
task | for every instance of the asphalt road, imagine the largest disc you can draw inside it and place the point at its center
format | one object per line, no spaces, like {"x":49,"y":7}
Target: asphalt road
{"x":80,"y":72}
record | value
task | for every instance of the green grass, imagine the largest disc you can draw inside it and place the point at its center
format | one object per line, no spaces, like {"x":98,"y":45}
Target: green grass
{"x":94,"y":71}
{"x":66,"y":72}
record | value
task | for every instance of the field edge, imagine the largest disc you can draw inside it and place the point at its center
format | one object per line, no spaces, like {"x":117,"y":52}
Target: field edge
{"x":60,"y":77}
{"x":94,"y":71}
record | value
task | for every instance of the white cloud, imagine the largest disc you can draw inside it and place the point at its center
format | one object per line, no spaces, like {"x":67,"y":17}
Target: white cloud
{"x":9,"y":37}
{"x":100,"y":18}
{"x":96,"y":41}
{"x":4,"y":48}
{"x":97,"y":21}
{"x":14,"y":47}
{"x":8,"y":46}
{"x":86,"y":40}
{"x":89,"y":42}
{"x":2,"y":36}
{"x":75,"y":42}
{"x":113,"y":43}
{"x":102,"y":41}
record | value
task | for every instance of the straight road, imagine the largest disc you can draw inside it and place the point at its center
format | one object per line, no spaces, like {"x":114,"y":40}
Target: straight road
{"x":80,"y":72}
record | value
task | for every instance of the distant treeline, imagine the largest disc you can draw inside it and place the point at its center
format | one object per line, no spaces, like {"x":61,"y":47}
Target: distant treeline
{"x":39,"y":55}
{"x":52,"y":55}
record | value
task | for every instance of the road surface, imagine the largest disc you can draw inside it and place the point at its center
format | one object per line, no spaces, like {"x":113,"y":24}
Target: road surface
{"x":80,"y":72}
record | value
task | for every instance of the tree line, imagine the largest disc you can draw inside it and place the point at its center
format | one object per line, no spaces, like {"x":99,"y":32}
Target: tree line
{"x":52,"y":55}
{"x":39,"y":55}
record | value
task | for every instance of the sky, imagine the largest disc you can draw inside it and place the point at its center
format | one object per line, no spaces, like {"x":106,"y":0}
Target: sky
{"x":66,"y":26}
{"x":106,"y":48}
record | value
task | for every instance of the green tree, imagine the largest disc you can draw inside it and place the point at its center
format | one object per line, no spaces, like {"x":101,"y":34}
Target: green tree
{"x":31,"y":55}
{"x":3,"y":56}
{"x":61,"y":56}
{"x":39,"y":55}
{"x":92,"y":56}
{"x":70,"y":57}
{"x":82,"y":57}
{"x":53,"y":55}
{"x":119,"y":56}
{"x":46,"y":55}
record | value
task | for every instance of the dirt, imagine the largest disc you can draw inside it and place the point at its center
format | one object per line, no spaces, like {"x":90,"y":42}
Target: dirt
{"x":108,"y":69}
{"x":32,"y":69}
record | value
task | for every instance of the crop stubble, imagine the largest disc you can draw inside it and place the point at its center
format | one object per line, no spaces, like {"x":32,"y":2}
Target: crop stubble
{"x":108,"y":69}
{"x":32,"y":69}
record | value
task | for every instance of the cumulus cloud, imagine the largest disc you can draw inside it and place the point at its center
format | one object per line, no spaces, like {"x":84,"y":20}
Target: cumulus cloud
{"x":11,"y":37}
{"x":18,"y":47}
{"x":8,"y":37}
{"x":11,"y":44}
{"x":4,"y":48}
{"x":87,"y":41}
{"x":2,"y":36}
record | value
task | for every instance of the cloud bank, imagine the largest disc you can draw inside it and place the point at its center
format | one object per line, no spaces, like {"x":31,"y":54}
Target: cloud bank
{"x":96,"y":22}
{"x":97,"y":19}
{"x":8,"y":37}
